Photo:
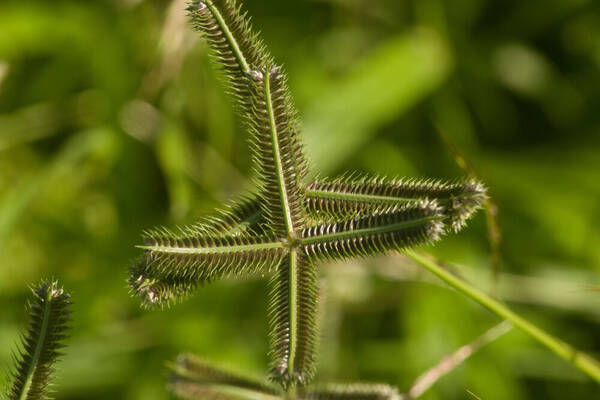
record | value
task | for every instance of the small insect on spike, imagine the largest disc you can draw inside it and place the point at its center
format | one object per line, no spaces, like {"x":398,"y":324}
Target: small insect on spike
{"x":49,"y":318}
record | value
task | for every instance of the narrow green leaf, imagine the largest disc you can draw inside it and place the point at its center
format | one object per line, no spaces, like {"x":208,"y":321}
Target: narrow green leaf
{"x":349,"y":196}
{"x":49,"y":316}
{"x":277,"y":153}
{"x":292,"y":311}
{"x":393,"y":228}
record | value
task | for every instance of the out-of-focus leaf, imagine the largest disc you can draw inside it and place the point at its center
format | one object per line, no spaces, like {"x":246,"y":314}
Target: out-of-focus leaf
{"x":396,"y":76}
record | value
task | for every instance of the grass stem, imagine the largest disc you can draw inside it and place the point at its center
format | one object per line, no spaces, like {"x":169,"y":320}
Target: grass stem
{"x":579,"y":359}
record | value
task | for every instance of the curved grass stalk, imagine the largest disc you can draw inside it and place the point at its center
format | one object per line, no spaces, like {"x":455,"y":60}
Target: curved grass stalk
{"x":579,"y":359}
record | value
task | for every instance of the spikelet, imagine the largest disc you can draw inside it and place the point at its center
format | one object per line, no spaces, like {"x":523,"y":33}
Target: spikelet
{"x":41,"y":346}
{"x":235,"y":48}
{"x":292,"y":312}
{"x":351,"y":196}
{"x":192,"y":375}
{"x":356,"y":391}
{"x":182,"y":261}
{"x":392,"y":228}
{"x":277,"y":152}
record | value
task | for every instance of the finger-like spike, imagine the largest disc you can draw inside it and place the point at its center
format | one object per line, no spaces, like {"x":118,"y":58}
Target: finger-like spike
{"x":356,"y":391}
{"x":194,"y":378}
{"x":293,"y":334}
{"x":277,"y":153}
{"x":173,"y":265}
{"x":42,"y":344}
{"x":349,"y":196}
{"x":393,"y":228}
{"x":234,"y":46}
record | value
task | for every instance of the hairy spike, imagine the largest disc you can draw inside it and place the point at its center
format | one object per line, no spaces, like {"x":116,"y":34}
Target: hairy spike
{"x":175,"y":263}
{"x":292,"y":312}
{"x":352,"y":196}
{"x":190,"y":368}
{"x":277,"y":153}
{"x":357,"y":391}
{"x":241,"y":216}
{"x":157,"y":291}
{"x":49,"y":316}
{"x":236,"y":49}
{"x":393,"y":228}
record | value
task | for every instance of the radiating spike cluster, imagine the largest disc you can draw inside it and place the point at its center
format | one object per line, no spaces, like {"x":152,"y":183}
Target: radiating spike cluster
{"x":393,"y":228}
{"x":41,"y":346}
{"x":236,"y":49}
{"x":293,"y":333}
{"x":353,"y":392}
{"x":277,"y":153}
{"x":350,"y":196}
{"x":288,"y":226}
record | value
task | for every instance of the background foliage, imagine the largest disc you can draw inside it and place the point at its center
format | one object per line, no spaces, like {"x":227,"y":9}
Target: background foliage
{"x":112,"y":121}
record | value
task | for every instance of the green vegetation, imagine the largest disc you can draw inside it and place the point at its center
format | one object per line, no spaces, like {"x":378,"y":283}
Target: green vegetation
{"x":41,"y":345}
{"x":111,"y":121}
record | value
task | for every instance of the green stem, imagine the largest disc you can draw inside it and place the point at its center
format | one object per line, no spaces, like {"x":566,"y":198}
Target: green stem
{"x":582,"y":361}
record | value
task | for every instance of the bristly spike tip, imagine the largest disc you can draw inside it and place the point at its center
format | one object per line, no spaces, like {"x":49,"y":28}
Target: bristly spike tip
{"x":41,"y":346}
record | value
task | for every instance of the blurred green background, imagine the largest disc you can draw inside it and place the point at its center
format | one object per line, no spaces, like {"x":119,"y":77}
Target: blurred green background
{"x":112,"y":121}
